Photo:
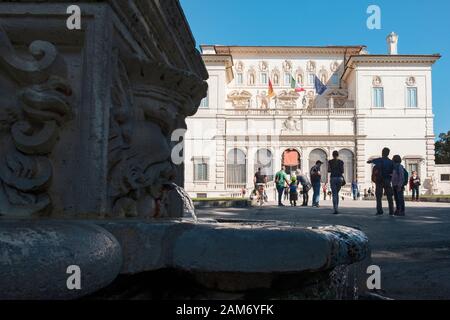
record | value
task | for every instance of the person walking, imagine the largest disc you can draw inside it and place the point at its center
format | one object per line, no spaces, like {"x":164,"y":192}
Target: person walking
{"x":280,"y":182}
{"x":336,"y":170}
{"x":316,"y":177}
{"x":382,"y":177}
{"x":324,"y":190}
{"x":399,"y":181}
{"x":260,"y":179}
{"x":355,"y":190}
{"x":293,"y":193}
{"x":306,"y":186}
{"x":414,"y":185}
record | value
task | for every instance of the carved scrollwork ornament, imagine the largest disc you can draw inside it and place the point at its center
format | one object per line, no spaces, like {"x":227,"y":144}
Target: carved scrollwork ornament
{"x":30,"y":123}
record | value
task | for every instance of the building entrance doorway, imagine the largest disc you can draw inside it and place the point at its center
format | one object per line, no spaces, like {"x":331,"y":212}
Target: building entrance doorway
{"x":291,"y":160}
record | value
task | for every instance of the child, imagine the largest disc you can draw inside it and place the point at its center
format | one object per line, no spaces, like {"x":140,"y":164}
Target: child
{"x":293,"y":194}
{"x":324,"y":189}
{"x":398,"y":184}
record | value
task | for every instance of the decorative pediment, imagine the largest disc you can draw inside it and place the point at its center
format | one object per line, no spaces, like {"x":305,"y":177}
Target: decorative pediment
{"x":240,"y":99}
{"x":377,"y":81}
{"x":311,"y":66}
{"x":334,"y":66}
{"x":411,"y":81}
{"x":263,"y":66}
{"x":287,"y":66}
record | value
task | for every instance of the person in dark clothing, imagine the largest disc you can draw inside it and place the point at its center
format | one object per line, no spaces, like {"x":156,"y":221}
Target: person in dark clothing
{"x":383,"y":183}
{"x":260,"y":179}
{"x":398,"y":184}
{"x":355,"y":190}
{"x":306,"y":186}
{"x":414,"y":185}
{"x":336,"y":170}
{"x":316,"y":177}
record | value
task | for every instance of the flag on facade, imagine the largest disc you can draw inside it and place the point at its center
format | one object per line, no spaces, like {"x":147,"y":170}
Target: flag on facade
{"x":320,"y":87}
{"x":295,"y":86}
{"x":271,"y":92}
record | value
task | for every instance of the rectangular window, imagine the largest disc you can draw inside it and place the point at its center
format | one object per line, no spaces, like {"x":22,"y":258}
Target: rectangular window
{"x":311,"y":78}
{"x":264,"y":78}
{"x":205,"y":101}
{"x":202,"y":195}
{"x":200,"y":170}
{"x":411,"y":97}
{"x":240,"y":79}
{"x":445,"y":177}
{"x":378,"y":98}
{"x":287,"y":79}
{"x":411,"y":167}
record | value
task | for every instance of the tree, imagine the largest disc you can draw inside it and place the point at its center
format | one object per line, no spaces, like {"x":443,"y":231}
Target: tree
{"x":442,"y":148}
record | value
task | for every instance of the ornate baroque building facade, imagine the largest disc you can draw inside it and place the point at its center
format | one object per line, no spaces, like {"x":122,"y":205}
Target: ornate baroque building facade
{"x":371,"y":101}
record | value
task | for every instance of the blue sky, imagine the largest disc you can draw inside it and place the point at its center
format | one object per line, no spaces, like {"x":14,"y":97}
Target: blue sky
{"x":423,"y":28}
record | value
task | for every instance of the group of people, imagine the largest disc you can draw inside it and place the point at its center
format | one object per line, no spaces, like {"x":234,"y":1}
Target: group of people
{"x":389,"y":176}
{"x":391,"y":179}
{"x":336,"y":171}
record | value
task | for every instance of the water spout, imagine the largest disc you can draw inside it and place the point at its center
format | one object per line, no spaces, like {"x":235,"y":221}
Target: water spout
{"x":177,"y":203}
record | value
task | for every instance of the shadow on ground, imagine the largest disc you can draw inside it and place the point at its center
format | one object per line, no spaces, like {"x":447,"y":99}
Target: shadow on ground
{"x":413,"y":252}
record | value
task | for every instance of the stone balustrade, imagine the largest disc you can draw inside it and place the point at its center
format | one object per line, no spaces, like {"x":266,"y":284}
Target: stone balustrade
{"x":345,"y":112}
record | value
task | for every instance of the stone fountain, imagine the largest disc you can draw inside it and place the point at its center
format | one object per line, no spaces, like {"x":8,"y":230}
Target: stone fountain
{"x":87,"y":122}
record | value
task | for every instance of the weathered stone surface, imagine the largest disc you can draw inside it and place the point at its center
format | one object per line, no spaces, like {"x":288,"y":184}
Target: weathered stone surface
{"x":35,"y":255}
{"x":87,"y":116}
{"x":229,"y":247}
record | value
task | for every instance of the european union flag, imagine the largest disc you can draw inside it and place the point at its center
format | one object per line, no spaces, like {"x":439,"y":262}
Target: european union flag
{"x":320,"y":87}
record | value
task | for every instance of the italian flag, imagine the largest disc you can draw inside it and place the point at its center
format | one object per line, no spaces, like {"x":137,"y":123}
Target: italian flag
{"x":295,"y":86}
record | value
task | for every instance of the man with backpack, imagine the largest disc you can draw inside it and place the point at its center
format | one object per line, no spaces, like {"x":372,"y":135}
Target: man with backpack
{"x":382,"y":177}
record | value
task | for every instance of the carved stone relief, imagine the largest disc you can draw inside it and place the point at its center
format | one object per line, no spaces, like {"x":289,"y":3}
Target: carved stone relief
{"x":287,"y":99}
{"x":291,"y":125}
{"x":30,"y":123}
{"x":240,"y":99}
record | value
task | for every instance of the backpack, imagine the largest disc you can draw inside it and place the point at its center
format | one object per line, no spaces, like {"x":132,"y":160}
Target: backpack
{"x":315,"y":173}
{"x":377,"y":174}
{"x":406,"y":177}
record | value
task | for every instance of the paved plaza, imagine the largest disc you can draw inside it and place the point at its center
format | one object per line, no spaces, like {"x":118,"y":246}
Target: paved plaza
{"x":413,"y":252}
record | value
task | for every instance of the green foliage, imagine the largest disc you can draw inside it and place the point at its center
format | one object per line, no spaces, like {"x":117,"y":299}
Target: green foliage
{"x":442,"y":148}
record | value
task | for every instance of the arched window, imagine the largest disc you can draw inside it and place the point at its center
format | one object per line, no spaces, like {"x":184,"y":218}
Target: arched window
{"x":314,"y":156}
{"x":236,"y":168}
{"x":263,"y":160}
{"x":349,"y":159}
